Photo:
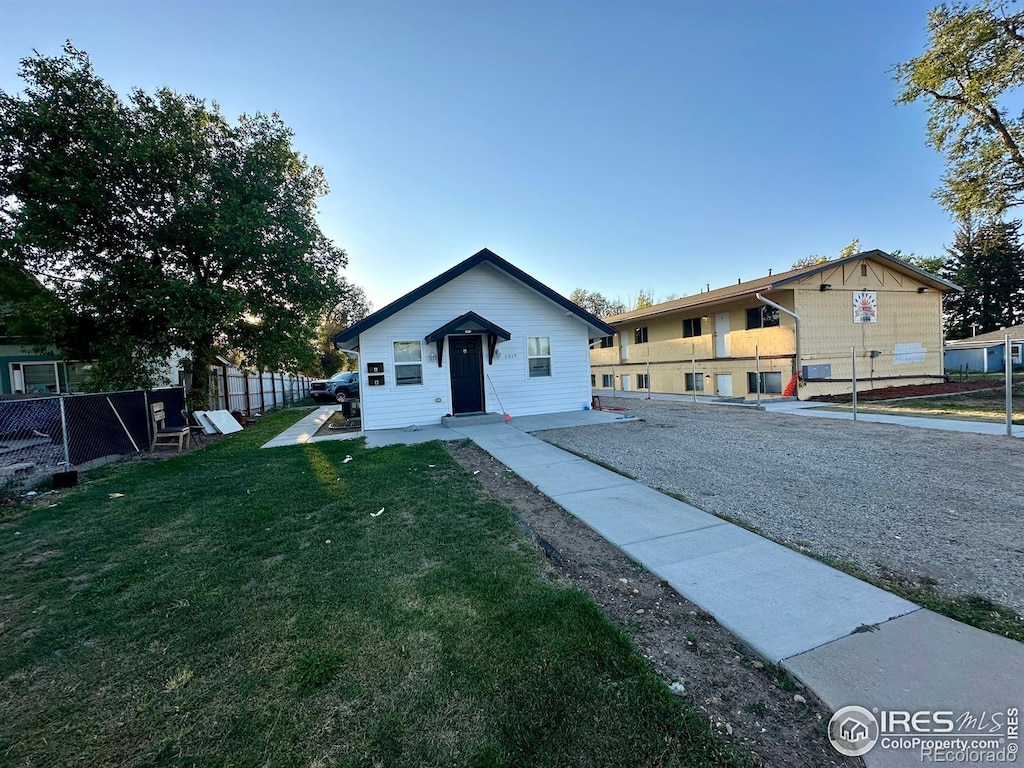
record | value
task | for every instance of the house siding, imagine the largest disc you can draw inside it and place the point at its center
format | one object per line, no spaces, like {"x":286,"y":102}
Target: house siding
{"x":507,"y":386}
{"x":907,"y":336}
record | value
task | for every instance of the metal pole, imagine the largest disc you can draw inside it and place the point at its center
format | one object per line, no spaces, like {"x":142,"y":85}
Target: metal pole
{"x":648,"y":379}
{"x":853,"y":378}
{"x":64,"y":433}
{"x":757,"y":373}
{"x":1008,"y":365}
{"x":694,"y":382}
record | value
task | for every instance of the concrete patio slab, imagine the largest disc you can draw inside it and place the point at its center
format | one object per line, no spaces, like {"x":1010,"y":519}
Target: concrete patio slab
{"x":922,"y":661}
{"x":778,"y":601}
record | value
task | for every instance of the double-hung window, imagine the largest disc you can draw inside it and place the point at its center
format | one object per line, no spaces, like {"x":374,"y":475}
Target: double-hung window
{"x":538,"y":354}
{"x":640,"y":335}
{"x":408,"y":362}
{"x":762,"y":317}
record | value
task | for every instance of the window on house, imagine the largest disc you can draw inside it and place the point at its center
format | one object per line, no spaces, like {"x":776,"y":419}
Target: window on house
{"x":643,"y":381}
{"x":640,"y":335}
{"x":762,"y":317}
{"x":593,"y":380}
{"x":691,"y":327}
{"x":408,"y":362}
{"x":695,"y":382}
{"x":538,"y":353}
{"x":771,"y":382}
{"x":608,"y":380}
{"x":1016,"y":353}
{"x":863,"y":270}
{"x":607,"y":342}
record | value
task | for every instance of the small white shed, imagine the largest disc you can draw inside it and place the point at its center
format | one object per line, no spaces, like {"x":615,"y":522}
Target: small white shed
{"x":483,"y":337}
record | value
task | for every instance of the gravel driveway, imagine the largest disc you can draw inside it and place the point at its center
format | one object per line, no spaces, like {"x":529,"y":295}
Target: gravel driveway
{"x":915,"y":503}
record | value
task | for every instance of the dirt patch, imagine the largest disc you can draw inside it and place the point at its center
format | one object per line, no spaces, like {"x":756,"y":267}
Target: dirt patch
{"x":915,"y":390}
{"x":339,"y":424}
{"x":745,"y":700}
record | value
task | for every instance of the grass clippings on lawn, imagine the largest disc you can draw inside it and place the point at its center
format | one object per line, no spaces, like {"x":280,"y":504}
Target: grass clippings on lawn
{"x":237,"y":606}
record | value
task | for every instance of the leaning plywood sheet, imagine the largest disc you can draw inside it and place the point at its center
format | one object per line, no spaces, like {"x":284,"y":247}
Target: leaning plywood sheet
{"x":204,"y":421}
{"x":224,"y":422}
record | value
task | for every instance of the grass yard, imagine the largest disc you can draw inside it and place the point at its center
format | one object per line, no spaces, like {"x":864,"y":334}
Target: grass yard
{"x":243,"y":607}
{"x":981,"y":405}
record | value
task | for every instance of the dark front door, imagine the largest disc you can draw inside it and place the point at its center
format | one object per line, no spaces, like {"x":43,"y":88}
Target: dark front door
{"x":467,"y":360}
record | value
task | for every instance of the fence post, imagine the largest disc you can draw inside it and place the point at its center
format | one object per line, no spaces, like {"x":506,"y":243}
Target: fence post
{"x":145,"y":407}
{"x":1008,"y":366}
{"x":757,"y":373}
{"x":853,"y":378}
{"x":693,"y":354}
{"x":263,"y":397}
{"x":64,"y":433}
{"x":245,"y":383}
{"x":284,"y":399}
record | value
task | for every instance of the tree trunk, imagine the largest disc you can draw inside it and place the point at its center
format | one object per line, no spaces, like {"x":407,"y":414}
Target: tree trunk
{"x":201,"y":355}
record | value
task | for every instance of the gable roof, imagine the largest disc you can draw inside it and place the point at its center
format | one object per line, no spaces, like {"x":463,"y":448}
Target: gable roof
{"x":774,"y":282}
{"x":988,"y":339}
{"x":484,"y":256}
{"x":469,"y":323}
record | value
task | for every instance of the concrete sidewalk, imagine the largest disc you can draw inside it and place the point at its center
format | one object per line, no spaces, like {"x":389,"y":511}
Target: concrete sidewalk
{"x":849,"y":642}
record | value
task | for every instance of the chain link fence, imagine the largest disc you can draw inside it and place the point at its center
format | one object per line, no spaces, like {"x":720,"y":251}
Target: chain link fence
{"x":43,"y":436}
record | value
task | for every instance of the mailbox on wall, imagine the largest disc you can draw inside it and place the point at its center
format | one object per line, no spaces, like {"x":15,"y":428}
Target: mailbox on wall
{"x":375,"y":374}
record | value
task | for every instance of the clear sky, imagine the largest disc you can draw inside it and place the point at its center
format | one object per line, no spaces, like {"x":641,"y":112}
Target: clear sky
{"x":607,"y":145}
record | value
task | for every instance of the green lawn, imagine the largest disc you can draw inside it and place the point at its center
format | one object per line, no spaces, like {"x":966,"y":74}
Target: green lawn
{"x":982,"y":405}
{"x":242,"y":607}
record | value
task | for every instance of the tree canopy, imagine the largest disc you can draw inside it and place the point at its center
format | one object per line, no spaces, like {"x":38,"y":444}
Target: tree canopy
{"x":809,"y":261}
{"x":968,"y":75}
{"x":160,"y":224}
{"x":352,"y":308}
{"x":987,"y":261}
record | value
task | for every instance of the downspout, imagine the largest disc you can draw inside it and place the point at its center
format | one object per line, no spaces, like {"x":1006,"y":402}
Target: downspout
{"x":796,"y":317}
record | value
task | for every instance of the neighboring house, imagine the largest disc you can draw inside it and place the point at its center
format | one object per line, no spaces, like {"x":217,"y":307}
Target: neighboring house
{"x":984,"y":353}
{"x":24,"y":368}
{"x":482,"y":337}
{"x":883,"y":310}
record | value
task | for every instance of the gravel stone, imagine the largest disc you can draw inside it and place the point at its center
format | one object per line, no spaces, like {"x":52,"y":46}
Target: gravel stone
{"x":922,"y":505}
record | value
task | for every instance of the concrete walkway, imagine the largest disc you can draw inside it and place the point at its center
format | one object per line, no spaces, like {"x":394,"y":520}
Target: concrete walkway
{"x":848,"y":641}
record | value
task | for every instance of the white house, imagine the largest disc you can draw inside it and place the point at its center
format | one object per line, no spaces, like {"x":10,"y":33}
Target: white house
{"x":483,"y":337}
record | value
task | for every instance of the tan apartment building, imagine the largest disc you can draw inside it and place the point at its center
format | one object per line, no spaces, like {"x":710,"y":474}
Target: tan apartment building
{"x":869,"y":312}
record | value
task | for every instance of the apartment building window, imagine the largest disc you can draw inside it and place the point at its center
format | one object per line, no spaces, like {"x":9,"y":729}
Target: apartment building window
{"x":643,"y":381}
{"x":593,"y":380}
{"x":607,"y":342}
{"x":408,"y":363}
{"x":691,"y":327}
{"x":762,"y":317}
{"x":771,"y":382}
{"x":640,"y":335}
{"x":695,"y":382}
{"x":538,"y":353}
{"x":608,"y":380}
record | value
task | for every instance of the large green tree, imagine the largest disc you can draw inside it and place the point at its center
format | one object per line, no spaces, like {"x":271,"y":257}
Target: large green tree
{"x":968,"y":76}
{"x":987,"y":261}
{"x":161,"y":224}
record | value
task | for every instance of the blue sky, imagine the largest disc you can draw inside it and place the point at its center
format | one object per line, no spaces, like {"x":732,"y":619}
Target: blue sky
{"x":608,"y":145}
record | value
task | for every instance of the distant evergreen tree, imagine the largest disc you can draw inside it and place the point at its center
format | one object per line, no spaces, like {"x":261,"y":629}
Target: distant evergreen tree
{"x":987,"y":261}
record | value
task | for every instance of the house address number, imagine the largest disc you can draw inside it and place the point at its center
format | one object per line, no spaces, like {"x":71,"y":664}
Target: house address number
{"x":508,"y":355}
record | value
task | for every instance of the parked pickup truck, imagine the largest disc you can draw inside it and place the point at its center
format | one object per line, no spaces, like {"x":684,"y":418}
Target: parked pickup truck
{"x":339,"y":388}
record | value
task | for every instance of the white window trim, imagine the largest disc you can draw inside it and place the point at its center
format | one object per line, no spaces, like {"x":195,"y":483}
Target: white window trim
{"x":549,"y":356}
{"x":395,"y":363}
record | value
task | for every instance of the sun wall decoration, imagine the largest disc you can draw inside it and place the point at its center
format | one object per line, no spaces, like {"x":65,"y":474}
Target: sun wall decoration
{"x":865,"y":307}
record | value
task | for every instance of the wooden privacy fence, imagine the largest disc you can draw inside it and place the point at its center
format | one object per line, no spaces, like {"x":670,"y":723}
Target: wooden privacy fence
{"x":252,"y":392}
